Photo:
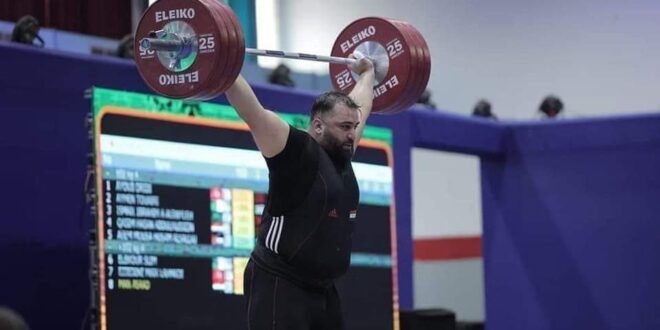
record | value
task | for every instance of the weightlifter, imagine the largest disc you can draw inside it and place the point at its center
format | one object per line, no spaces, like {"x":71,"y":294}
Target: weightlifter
{"x":304,"y":242}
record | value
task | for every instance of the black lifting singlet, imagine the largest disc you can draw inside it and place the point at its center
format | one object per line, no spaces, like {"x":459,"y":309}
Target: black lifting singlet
{"x":308,"y":221}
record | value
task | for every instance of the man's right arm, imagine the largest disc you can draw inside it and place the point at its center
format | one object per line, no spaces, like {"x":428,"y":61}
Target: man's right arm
{"x":270,"y":132}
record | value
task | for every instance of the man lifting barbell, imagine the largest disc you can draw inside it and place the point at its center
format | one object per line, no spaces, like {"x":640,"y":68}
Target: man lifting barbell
{"x":194,"y":49}
{"x":304,"y":242}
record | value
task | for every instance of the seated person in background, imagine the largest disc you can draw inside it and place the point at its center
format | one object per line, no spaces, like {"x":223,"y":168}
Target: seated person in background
{"x":425,"y":99}
{"x":483,"y":109}
{"x":551,"y":107}
{"x":125,"y":47}
{"x":26,"y":30}
{"x":281,"y":76}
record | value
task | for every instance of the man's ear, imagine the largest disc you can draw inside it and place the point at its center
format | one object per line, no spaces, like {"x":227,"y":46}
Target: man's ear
{"x":317,"y":125}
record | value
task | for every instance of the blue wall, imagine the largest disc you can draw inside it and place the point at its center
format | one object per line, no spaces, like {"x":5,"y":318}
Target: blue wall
{"x":44,"y":222}
{"x":570,"y":208}
{"x":571,"y":226}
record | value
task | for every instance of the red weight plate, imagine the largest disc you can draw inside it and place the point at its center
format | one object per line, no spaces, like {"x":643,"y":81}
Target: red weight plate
{"x":387,"y":36}
{"x":228,"y":45}
{"x":229,"y":51}
{"x":425,"y":69}
{"x":408,"y":97}
{"x":402,"y":99}
{"x":237,"y":50}
{"x":240,"y":38}
{"x":198,"y":77}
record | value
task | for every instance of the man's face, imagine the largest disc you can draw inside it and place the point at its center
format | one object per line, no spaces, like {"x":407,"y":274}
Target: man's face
{"x":338,"y":130}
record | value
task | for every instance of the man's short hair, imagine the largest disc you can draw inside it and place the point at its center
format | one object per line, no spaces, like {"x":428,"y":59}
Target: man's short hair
{"x":327,"y":101}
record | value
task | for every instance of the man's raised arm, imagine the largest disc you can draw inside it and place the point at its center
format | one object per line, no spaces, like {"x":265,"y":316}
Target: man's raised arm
{"x":270,"y":132}
{"x":363,"y":92}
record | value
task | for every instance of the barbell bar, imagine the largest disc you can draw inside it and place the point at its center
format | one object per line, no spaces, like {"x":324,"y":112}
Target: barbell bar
{"x":181,"y":45}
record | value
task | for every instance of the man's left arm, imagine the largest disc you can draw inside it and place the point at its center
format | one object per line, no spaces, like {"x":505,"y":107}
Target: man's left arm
{"x":363,"y":92}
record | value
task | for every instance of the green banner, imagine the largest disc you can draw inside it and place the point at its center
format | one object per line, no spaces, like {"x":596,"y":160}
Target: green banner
{"x":151,"y":103}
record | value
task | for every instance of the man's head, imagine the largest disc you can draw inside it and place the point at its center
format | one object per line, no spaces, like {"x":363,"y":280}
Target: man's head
{"x":125,"y":49}
{"x":333,"y":123}
{"x":26,"y":30}
{"x":551,"y":106}
{"x":483,"y":109}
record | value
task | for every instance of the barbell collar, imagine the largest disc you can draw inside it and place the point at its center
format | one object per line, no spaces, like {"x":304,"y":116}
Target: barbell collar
{"x":162,"y":45}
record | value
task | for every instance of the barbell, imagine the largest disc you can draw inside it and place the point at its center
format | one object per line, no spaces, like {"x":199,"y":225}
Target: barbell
{"x":194,"y":49}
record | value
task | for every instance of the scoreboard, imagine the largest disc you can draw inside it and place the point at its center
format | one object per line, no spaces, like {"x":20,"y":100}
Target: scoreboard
{"x":180,"y":192}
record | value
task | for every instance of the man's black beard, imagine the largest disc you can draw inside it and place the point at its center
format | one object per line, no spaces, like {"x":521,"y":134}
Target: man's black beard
{"x":336,"y":150}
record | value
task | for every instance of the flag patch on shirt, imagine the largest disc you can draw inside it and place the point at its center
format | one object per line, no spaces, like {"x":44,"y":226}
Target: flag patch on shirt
{"x":353,"y":214}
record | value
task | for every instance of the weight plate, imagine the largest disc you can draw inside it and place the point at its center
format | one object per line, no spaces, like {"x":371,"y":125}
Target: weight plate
{"x":381,"y":31}
{"x":198,"y":76}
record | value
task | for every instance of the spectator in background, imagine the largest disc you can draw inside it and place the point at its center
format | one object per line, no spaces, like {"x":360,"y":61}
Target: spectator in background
{"x":125,"y":49}
{"x":26,"y":30}
{"x":10,"y":320}
{"x":483,"y":109}
{"x":551,"y":107}
{"x":281,"y":76}
{"x":425,"y":99}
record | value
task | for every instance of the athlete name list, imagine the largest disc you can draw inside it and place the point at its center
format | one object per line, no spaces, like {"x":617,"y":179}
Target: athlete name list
{"x":134,"y":213}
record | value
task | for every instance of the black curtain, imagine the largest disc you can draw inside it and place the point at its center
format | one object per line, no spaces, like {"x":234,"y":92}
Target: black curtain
{"x":104,"y":18}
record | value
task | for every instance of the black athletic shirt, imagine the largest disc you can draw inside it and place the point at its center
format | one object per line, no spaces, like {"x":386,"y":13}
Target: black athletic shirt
{"x":308,"y":220}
